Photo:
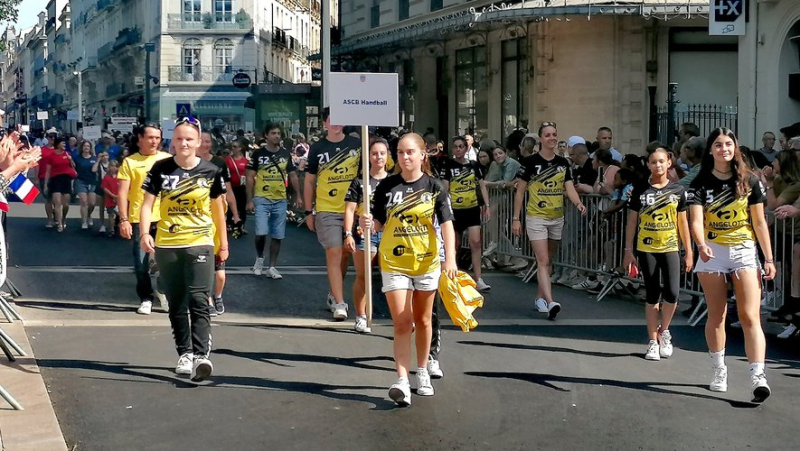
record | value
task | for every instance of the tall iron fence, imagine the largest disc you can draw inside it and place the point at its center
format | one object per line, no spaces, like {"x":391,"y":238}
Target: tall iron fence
{"x":706,"y":117}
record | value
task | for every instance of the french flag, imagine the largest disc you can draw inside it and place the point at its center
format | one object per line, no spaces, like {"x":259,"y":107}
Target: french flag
{"x":22,"y":190}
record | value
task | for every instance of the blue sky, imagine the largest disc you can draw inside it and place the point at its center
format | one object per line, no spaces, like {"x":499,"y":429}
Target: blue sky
{"x":29,"y":11}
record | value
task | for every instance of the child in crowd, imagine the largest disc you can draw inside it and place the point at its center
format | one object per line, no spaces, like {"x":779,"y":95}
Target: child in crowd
{"x":110,"y":187}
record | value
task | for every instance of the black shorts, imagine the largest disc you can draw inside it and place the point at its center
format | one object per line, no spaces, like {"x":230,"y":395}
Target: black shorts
{"x":466,"y":218}
{"x":60,"y":184}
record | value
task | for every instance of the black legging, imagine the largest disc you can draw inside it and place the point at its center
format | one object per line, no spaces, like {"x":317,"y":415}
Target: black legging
{"x":658,"y":268}
{"x":240,"y":193}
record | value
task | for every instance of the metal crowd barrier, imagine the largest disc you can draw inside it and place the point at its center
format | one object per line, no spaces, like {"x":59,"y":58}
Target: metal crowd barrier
{"x":593,"y":245}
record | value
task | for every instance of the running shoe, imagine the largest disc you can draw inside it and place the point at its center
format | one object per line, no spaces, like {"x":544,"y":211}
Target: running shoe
{"x":490,"y":249}
{"x":586,"y":285}
{"x":340,"y":312}
{"x":212,"y":311}
{"x":273,"y":273}
{"x":719,"y":382}
{"x":102,"y":229}
{"x":185,"y":363}
{"x":258,"y":267}
{"x":761,"y":390}
{"x":145,"y":308}
{"x":361,"y":325}
{"x":434,"y":369}
{"x":400,"y":392}
{"x":201,"y":369}
{"x":424,"y":386}
{"x":788,"y":332}
{"x":652,"y":351}
{"x":91,"y":222}
{"x":482,"y":286}
{"x":553,"y":309}
{"x":50,"y":225}
{"x":541,"y":306}
{"x":566,"y":276}
{"x":85,"y":226}
{"x":331,"y":301}
{"x":162,"y":299}
{"x":665,"y":344}
{"x":219,"y":306}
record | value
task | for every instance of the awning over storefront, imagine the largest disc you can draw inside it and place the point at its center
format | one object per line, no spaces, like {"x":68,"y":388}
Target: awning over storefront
{"x":463,"y":20}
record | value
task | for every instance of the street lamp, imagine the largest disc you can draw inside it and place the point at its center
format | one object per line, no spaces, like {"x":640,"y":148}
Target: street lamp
{"x":148,"y":49}
{"x":79,"y":74}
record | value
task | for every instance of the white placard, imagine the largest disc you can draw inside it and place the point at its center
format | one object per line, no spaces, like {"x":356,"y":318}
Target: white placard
{"x":42,"y":116}
{"x":25,"y":128}
{"x":123,"y":124}
{"x":167,"y":128}
{"x":295,"y":128}
{"x":92,"y":132}
{"x":726,"y":18}
{"x":364,"y":99}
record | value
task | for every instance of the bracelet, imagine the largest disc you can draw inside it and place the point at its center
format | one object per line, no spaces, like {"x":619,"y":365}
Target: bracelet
{"x":769,"y":261}
{"x":143,"y":235}
{"x":123,"y":219}
{"x":223,"y":248}
{"x":3,"y":182}
{"x":348,"y":233}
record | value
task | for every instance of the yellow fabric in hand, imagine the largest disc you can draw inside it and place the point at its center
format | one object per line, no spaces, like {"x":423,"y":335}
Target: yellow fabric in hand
{"x":460,"y":298}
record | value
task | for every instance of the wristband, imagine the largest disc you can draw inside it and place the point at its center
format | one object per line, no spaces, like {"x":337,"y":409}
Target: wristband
{"x":123,"y":219}
{"x":223,"y":248}
{"x":348,"y":233}
{"x":769,"y":261}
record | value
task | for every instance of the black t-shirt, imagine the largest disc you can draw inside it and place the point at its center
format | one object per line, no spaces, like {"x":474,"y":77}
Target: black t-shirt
{"x":226,"y":171}
{"x":658,"y":210}
{"x":585,"y":174}
{"x":726,"y":216}
{"x":463,"y":180}
{"x":355,"y":193}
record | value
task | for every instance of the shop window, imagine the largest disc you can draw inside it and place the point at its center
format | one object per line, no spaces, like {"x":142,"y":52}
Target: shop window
{"x":472,"y":91}
{"x":514,"y":86}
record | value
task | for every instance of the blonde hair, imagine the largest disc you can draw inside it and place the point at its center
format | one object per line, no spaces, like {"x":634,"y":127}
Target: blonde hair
{"x":419,"y":143}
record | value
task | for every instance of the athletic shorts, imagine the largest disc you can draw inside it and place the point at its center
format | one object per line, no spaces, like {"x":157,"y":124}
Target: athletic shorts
{"x":111,"y":210}
{"x":270,"y":217}
{"x":729,"y":259}
{"x":544,"y":229}
{"x":393,"y":281}
{"x":60,"y":184}
{"x":330,"y":229}
{"x":466,"y":218}
{"x":219,"y":265}
{"x":374,"y":242}
{"x":83,"y":187}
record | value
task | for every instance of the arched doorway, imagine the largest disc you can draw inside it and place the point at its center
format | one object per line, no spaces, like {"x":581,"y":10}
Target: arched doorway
{"x":789,"y":73}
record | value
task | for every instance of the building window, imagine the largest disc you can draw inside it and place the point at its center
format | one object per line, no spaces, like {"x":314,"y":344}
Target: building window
{"x":192,"y":11}
{"x":515,"y":86}
{"x":223,"y":10}
{"x":472,"y":91}
{"x":402,"y":7}
{"x":436,"y":5}
{"x":223,"y":55}
{"x":375,"y":14}
{"x":192,"y":48}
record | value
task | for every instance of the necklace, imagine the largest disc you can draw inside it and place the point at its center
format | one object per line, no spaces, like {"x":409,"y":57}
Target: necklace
{"x":722,"y":173}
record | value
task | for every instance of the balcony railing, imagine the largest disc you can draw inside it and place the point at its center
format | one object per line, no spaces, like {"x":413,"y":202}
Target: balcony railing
{"x":105,"y":4}
{"x":105,"y":51}
{"x":115,"y":89}
{"x":127,"y":36}
{"x":206,"y":22}
{"x":205,"y":74}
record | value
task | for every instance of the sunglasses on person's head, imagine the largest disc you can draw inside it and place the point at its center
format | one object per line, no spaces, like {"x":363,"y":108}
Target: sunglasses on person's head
{"x":189,"y":120}
{"x":548,"y":124}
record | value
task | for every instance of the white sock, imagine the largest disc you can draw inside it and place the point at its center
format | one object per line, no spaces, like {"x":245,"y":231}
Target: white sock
{"x":756,"y":368}
{"x":718,"y":358}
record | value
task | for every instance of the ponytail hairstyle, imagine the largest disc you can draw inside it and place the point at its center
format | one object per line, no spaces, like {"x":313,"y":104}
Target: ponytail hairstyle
{"x":741,"y":172}
{"x":419,"y":143}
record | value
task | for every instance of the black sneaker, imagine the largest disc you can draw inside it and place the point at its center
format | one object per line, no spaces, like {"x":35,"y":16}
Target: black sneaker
{"x":219,"y":307}
{"x":212,"y":311}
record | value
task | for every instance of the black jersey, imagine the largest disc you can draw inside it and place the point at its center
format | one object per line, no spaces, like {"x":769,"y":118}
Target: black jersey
{"x":726,"y":216}
{"x":658,"y":210}
{"x":545,"y":179}
{"x":355,"y":193}
{"x":463,"y":180}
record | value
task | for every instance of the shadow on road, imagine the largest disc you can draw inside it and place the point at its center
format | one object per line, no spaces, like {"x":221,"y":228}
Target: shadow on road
{"x":270,"y":357}
{"x":549,"y":349}
{"x":58,"y":306}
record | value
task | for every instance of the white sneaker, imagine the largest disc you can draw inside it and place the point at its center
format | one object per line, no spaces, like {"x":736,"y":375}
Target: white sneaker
{"x":566,"y":276}
{"x":790,"y":330}
{"x":766,"y":300}
{"x":340,"y":312}
{"x":162,"y":300}
{"x":201,"y":369}
{"x":720,"y":380}
{"x":424,"y":386}
{"x":84,"y":226}
{"x":331,"y":301}
{"x":400,"y":392}
{"x":185,"y":363}
{"x":145,"y":308}
{"x":102,"y":229}
{"x":541,"y":305}
{"x":258,"y":267}
{"x":482,"y":286}
{"x":273,"y":273}
{"x":665,"y":344}
{"x":490,"y":249}
{"x":91,"y":222}
{"x":586,"y":285}
{"x":761,"y":390}
{"x":652,"y":351}
{"x":553,"y":309}
{"x":434,"y":369}
{"x":361,"y":325}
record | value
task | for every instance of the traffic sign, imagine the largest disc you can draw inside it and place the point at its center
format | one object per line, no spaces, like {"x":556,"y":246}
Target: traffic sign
{"x":183,"y":109}
{"x":241,"y":80}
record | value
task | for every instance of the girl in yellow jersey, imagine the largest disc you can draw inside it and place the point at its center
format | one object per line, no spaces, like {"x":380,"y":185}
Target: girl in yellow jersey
{"x":545,"y":177}
{"x":727,"y":209}
{"x":656,"y":217}
{"x":192,"y":192}
{"x":406,"y":207}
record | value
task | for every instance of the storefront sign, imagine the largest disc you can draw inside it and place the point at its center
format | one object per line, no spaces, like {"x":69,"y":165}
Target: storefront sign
{"x":726,"y":18}
{"x":123,"y":124}
{"x":241,"y":80}
{"x":364,"y":99}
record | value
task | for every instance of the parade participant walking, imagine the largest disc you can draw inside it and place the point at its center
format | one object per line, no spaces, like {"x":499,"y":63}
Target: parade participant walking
{"x":656,"y":217}
{"x":129,"y":202}
{"x":354,"y":240}
{"x":727,"y":210}
{"x":86,"y":183}
{"x":101,"y":168}
{"x":407,"y":206}
{"x":268,"y":174}
{"x":47,"y":149}
{"x":216,"y":306}
{"x":110,"y":187}
{"x":546,"y":177}
{"x":191,"y":191}
{"x":461,"y":178}
{"x":237,"y":166}
{"x":58,"y":181}
{"x":332,"y":164}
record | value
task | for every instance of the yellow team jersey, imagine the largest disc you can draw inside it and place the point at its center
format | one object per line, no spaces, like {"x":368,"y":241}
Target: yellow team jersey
{"x":185,"y":195}
{"x":134,"y":168}
{"x":410,"y":213}
{"x":271,"y":173}
{"x":546,"y":180}
{"x":463,"y":180}
{"x":726,"y":216}
{"x":335,"y":165}
{"x":658,"y":210}
{"x":355,"y":193}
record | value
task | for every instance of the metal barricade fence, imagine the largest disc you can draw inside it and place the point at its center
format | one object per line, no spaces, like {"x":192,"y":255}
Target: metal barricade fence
{"x":593,"y":245}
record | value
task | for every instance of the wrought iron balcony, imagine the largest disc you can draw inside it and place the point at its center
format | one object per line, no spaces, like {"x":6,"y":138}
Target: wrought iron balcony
{"x":189,"y":21}
{"x":205,"y":74}
{"x":105,"y":51}
{"x":127,"y":36}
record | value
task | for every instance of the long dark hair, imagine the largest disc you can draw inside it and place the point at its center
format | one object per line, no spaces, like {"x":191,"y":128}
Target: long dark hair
{"x":741,"y":172}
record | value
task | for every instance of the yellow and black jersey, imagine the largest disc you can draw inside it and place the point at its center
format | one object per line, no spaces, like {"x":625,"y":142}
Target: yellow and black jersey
{"x":408,"y":212}
{"x":463,"y":179}
{"x":134,"y":168}
{"x":272,"y":172}
{"x":355,"y":193}
{"x":658,"y":210}
{"x":185,"y":197}
{"x":726,"y":216}
{"x":545,"y":179}
{"x":335,"y":165}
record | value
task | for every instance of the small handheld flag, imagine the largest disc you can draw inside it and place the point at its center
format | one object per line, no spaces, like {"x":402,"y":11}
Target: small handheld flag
{"x":22,"y":190}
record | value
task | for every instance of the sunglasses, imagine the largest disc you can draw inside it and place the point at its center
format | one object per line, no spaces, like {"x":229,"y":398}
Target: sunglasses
{"x":194,"y":122}
{"x":548,"y":124}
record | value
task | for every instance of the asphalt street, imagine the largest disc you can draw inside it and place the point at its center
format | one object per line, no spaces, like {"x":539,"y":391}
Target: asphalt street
{"x":286,"y":377}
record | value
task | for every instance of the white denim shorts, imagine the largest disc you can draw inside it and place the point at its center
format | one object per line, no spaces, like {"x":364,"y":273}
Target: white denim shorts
{"x":393,"y":281}
{"x":729,"y":259}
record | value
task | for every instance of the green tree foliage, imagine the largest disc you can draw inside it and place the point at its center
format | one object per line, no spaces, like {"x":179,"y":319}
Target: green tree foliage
{"x":9,"y":10}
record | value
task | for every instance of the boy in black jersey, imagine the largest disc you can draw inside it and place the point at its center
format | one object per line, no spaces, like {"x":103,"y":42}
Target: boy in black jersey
{"x":462,"y":180}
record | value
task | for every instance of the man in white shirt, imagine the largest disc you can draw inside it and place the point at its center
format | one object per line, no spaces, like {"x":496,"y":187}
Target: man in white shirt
{"x":604,"y":138}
